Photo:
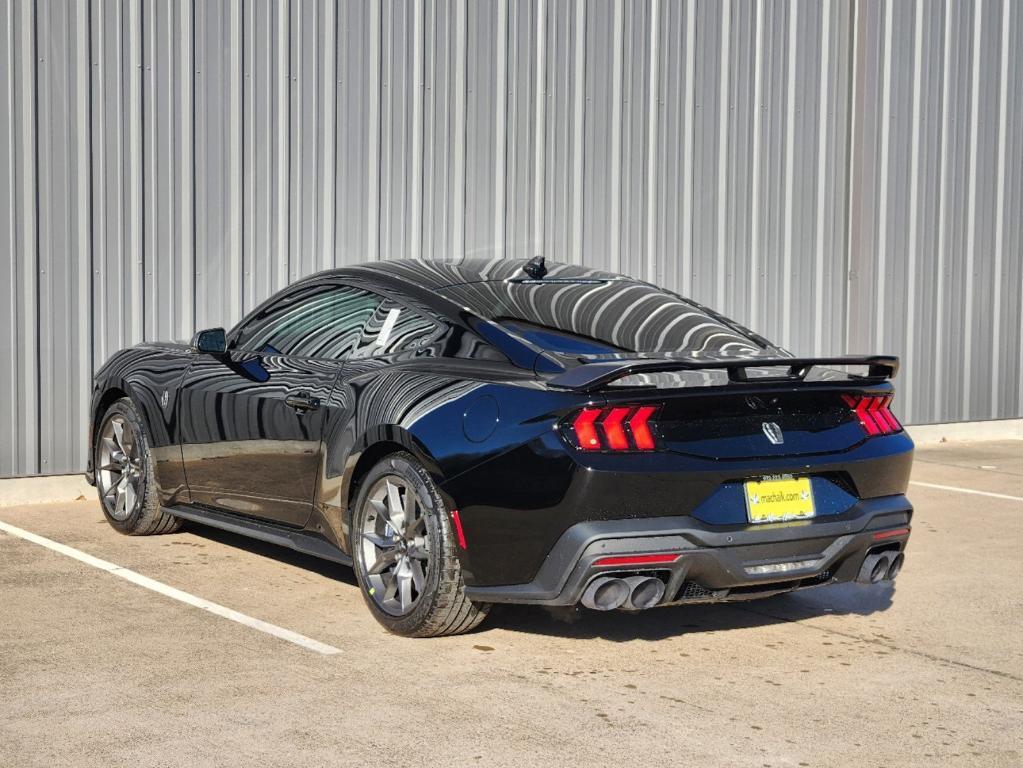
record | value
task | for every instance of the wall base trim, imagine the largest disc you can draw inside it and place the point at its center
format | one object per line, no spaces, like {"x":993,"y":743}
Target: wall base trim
{"x":966,"y":431}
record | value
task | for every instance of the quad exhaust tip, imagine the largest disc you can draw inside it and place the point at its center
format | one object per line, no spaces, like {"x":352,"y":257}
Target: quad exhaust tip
{"x":880,"y":566}
{"x":895,"y":566}
{"x":644,"y":592}
{"x":606,"y":593}
{"x":633,"y":593}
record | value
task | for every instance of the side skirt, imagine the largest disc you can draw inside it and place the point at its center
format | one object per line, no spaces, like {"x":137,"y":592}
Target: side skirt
{"x":300,"y":541}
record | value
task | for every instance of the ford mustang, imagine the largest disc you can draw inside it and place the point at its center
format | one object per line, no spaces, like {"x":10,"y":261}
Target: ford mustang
{"x":510,"y":431}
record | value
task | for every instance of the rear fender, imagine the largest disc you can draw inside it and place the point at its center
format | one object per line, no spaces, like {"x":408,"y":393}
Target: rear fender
{"x":338,"y":489}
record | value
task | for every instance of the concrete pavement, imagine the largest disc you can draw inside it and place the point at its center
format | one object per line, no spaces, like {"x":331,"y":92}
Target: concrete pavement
{"x":95,"y":670}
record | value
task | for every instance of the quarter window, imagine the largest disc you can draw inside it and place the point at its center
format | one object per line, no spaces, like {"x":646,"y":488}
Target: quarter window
{"x":395,"y":328}
{"x":322,"y":321}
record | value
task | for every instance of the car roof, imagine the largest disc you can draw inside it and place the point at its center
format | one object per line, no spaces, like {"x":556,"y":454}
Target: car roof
{"x":436,"y":274}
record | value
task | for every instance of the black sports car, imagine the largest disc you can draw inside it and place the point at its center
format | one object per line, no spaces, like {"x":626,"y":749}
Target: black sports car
{"x":495,"y":431}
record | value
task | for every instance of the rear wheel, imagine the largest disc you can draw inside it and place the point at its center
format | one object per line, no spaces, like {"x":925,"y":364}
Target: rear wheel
{"x":125,"y":476}
{"x":404,"y":552}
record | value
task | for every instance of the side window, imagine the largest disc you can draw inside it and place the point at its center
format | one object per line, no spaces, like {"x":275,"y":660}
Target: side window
{"x":395,"y":328}
{"x":319,"y":321}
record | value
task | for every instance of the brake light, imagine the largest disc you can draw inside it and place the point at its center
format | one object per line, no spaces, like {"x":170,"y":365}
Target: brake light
{"x":874,"y":414}
{"x":640,"y":424}
{"x":585,"y":431}
{"x":619,"y":560}
{"x":613,"y":429}
{"x":618,"y":428}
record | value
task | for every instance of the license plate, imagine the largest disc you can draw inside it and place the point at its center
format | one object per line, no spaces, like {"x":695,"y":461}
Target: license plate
{"x":776,"y":499}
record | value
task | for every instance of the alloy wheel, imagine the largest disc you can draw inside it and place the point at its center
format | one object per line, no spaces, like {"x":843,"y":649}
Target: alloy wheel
{"x":119,"y":467}
{"x":395,"y":549}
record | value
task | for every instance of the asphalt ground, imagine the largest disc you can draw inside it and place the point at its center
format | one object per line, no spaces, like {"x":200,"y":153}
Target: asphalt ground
{"x":97,"y":668}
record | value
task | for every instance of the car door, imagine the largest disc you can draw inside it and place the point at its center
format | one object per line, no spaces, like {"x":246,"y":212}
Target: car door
{"x":251,"y":419}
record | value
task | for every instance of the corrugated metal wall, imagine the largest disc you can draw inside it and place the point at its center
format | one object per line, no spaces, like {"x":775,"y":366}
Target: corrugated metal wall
{"x":841,"y":176}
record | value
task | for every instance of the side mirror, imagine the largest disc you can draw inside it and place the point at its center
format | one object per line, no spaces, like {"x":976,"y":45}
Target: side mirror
{"x":212,"y":341}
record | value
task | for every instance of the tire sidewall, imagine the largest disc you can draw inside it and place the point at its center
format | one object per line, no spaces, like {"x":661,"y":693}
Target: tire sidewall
{"x":125,"y":409}
{"x":405,"y":467}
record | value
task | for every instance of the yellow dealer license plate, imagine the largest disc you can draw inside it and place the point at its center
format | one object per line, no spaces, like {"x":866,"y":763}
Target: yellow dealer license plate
{"x":780,"y":498}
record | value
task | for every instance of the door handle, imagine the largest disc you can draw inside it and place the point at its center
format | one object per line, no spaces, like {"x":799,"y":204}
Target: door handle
{"x":302,"y":402}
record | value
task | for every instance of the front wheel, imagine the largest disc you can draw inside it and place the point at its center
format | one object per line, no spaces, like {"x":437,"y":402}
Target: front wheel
{"x":404,"y":552}
{"x":125,"y":476}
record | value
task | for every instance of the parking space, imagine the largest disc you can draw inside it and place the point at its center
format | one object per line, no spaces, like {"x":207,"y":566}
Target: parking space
{"x":100,"y":670}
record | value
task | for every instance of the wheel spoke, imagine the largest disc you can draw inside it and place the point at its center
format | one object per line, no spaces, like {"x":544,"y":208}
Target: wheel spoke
{"x":112,"y":449}
{"x":409,"y":508}
{"x":394,"y":506}
{"x":128,"y":442}
{"x":413,"y":524}
{"x":384,"y":561}
{"x":418,"y":552}
{"x":418,"y":577}
{"x":119,"y":501}
{"x":382,"y":513}
{"x":129,"y":497}
{"x":111,"y":466}
{"x":381,"y":542}
{"x":118,"y":428}
{"x":390,"y":587}
{"x":405,"y":584}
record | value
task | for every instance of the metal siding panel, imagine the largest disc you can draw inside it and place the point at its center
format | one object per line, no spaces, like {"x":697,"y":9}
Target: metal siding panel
{"x":485,"y":98}
{"x":64,"y":251}
{"x":357,"y":131}
{"x":19,"y":454}
{"x":396,"y":130}
{"x":1011,"y":349}
{"x":167,"y":151}
{"x":521,"y":137}
{"x":265,"y":152}
{"x":983,"y":286}
{"x":838,"y":176}
{"x":9,"y":261}
{"x":634,"y":132}
{"x":218,"y":177}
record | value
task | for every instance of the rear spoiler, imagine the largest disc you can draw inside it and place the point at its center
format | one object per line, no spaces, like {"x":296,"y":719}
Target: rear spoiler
{"x":591,"y":376}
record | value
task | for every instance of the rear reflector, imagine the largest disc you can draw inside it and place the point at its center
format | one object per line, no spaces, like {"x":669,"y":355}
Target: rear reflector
{"x":618,"y":428}
{"x":881,"y":535}
{"x":637,"y":559}
{"x":456,"y":518}
{"x":874,"y":414}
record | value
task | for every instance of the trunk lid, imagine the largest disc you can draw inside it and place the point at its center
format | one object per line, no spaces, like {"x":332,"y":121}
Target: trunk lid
{"x":761,"y":424}
{"x":719,"y":407}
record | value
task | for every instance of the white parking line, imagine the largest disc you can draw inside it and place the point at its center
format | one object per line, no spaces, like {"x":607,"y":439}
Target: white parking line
{"x":966,"y":490}
{"x":171,"y":592}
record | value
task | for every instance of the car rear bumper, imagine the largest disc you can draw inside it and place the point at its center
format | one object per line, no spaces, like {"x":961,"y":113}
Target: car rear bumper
{"x":714,"y":562}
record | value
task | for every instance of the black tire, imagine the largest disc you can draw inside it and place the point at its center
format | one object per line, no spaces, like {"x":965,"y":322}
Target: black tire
{"x":145,"y":516}
{"x":441,"y":606}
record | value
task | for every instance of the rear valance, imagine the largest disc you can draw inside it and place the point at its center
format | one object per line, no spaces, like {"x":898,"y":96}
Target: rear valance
{"x":593,"y":375}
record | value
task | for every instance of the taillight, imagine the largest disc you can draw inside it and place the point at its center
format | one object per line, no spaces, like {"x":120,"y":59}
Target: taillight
{"x":874,"y":413}
{"x":618,"y":428}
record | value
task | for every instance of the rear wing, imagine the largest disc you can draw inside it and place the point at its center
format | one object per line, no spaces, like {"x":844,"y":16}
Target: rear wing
{"x":592,"y":376}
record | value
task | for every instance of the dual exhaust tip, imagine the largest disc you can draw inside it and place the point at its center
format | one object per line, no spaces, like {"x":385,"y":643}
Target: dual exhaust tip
{"x":632,"y":593}
{"x":880,"y":566}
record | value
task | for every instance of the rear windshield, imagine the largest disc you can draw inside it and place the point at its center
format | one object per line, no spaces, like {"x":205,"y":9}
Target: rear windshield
{"x":601,"y":316}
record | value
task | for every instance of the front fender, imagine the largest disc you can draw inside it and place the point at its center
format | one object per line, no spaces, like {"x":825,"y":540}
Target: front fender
{"x":150,"y":376}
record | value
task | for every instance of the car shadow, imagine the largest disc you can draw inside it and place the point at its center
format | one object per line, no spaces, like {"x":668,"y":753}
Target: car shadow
{"x":327,"y":568}
{"x":616,"y":626}
{"x":673,"y":621}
